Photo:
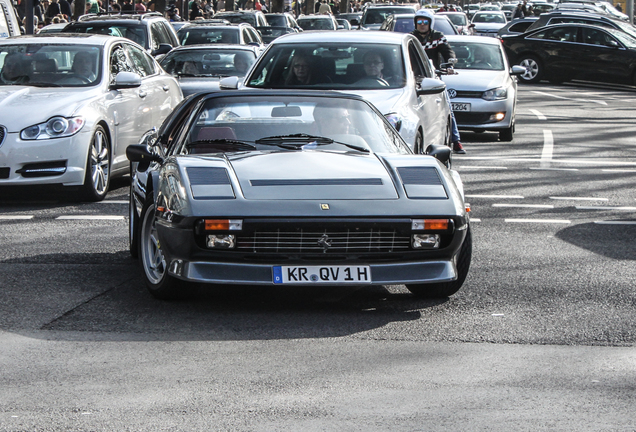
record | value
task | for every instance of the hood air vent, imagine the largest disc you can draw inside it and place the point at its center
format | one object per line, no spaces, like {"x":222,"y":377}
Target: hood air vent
{"x":319,"y":182}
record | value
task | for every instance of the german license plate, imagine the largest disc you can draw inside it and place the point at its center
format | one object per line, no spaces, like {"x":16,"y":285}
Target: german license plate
{"x":459,"y":106}
{"x":321,"y":274}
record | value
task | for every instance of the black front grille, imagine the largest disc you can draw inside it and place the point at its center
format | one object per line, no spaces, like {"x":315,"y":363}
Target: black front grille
{"x":329,"y":241}
{"x":469,"y":94}
{"x":4,"y":172}
{"x":3,"y":134}
{"x":468,"y":118}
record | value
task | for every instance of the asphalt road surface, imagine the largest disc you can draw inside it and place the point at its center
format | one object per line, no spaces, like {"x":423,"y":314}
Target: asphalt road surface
{"x":541,"y":337}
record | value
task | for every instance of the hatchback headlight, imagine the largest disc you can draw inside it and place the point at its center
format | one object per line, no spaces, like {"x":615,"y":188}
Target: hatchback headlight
{"x":495,"y":94}
{"x":55,"y":127}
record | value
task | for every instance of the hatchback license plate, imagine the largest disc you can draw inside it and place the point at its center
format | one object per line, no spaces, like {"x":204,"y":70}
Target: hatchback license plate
{"x":321,"y":274}
{"x":459,"y":106}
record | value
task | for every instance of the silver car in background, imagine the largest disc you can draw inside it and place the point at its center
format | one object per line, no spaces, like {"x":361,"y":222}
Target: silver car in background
{"x":408,"y":93}
{"x":484,"y":91}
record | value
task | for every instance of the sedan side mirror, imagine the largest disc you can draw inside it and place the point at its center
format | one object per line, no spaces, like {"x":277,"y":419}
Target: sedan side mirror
{"x":125,"y":80}
{"x":163,"y":49}
{"x":229,"y":83}
{"x":430,"y":86}
{"x":518,"y":70}
{"x":139,"y":153}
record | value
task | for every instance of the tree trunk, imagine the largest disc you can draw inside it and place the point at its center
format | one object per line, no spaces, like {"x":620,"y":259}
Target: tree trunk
{"x":277,"y":6}
{"x":79,"y":8}
{"x":344,"y":6}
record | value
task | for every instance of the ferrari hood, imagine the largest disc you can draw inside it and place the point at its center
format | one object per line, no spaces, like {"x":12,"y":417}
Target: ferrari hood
{"x":312,"y":175}
{"x":22,"y":106}
{"x":475,"y":80}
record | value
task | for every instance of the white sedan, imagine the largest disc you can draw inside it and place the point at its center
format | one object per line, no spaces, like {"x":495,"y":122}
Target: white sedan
{"x":488,"y":23}
{"x":71,"y":104}
{"x":484,"y":91}
{"x":389,"y":69}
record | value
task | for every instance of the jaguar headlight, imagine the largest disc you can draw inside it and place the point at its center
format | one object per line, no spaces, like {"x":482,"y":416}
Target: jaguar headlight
{"x":55,"y":127}
{"x":495,"y":94}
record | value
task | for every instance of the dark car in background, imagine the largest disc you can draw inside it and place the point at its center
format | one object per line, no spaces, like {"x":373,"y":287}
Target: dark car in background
{"x":200,"y":32}
{"x":519,"y":25}
{"x":199,"y":68}
{"x":375,"y":15}
{"x":282,"y":20}
{"x":564,"y":52}
{"x":150,"y":30}
{"x":269,"y":33}
{"x":252,"y":17}
{"x":403,"y":23}
{"x":572,"y":17}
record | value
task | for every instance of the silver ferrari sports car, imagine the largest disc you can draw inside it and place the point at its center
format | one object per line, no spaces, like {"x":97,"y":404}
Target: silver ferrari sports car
{"x":293,"y":188}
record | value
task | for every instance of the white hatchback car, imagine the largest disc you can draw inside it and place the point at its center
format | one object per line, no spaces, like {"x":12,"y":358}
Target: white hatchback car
{"x":484,"y":91}
{"x":389,"y":69}
{"x":70,"y":104}
{"x":488,"y":23}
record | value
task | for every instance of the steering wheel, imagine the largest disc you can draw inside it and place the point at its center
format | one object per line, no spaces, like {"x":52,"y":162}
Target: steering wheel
{"x":373,"y":82}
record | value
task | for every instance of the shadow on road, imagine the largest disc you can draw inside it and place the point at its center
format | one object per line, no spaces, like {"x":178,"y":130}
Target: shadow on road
{"x":120,"y":308}
{"x":601,"y":239}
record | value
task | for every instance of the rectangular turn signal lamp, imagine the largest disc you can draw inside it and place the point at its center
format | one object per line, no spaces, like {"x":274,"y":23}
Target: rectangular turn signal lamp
{"x":223,"y":224}
{"x":429,"y":224}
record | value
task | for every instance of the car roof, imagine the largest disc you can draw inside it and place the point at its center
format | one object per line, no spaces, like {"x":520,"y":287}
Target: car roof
{"x":66,"y":38}
{"x":340,"y":36}
{"x":215,"y":25}
{"x":120,"y":17}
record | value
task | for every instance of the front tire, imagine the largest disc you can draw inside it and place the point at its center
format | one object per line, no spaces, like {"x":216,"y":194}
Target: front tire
{"x":97,"y":175}
{"x":160,"y":284}
{"x":418,"y":147}
{"x":506,"y":134}
{"x":133,"y":226}
{"x":534,"y":69}
{"x":447,"y":289}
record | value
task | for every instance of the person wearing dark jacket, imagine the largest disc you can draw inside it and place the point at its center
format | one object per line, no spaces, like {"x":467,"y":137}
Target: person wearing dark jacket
{"x":435,"y":45}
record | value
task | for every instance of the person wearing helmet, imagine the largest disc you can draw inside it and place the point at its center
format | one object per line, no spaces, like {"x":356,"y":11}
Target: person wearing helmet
{"x":435,"y":45}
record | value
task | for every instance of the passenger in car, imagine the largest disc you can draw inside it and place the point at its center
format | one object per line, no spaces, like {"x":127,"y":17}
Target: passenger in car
{"x":241,"y":63}
{"x":302,"y":70}
{"x":373,"y":64}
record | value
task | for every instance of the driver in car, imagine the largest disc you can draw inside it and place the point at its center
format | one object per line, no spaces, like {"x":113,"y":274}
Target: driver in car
{"x":83,"y":65}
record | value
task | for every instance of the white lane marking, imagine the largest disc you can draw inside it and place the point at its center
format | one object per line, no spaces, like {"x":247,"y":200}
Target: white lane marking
{"x":552,"y":169}
{"x":579,"y":198}
{"x":554,"y":221}
{"x":548,"y":147}
{"x":545,"y":206}
{"x":90,"y":217}
{"x":615,"y":222}
{"x":114,"y":202}
{"x":600,"y":102}
{"x":480,"y":167}
{"x":605,"y":208}
{"x":475,"y":220}
{"x":15,"y":217}
{"x":538,"y":114}
{"x":599,"y":163}
{"x":496,"y":196}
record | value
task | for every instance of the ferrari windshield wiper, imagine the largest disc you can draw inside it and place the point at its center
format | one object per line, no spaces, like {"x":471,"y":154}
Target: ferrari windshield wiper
{"x":42,"y":84}
{"x":304,"y":141}
{"x":220,"y":144}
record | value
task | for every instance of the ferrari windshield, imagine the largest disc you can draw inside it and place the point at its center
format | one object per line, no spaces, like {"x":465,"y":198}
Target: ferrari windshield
{"x":46,"y":65}
{"x":295,"y":123}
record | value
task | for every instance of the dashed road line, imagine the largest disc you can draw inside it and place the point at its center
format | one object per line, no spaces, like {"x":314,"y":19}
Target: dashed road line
{"x":578,"y":198}
{"x":495,"y":196}
{"x":463,"y":167}
{"x":552,"y":169}
{"x":615,"y":222}
{"x":90,"y":217}
{"x":548,"y":148}
{"x":545,"y":206}
{"x":551,"y":221}
{"x":16,"y":217}
{"x":114,"y":202}
{"x":600,"y":102}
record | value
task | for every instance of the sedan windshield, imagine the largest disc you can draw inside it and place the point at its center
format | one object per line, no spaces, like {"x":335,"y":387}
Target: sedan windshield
{"x":346,"y":65}
{"x":195,"y":35}
{"x":289,"y":123}
{"x":46,"y":65}
{"x":495,"y":18}
{"x":474,"y":55}
{"x":208,"y":62}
